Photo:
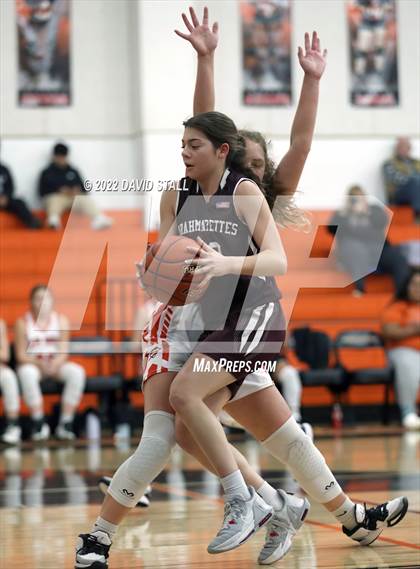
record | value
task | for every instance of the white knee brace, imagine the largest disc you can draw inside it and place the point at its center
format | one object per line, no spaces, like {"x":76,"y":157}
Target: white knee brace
{"x":137,"y":472}
{"x":293,"y":447}
{"x":10,"y":390}
{"x":74,"y":377}
{"x":29,"y":376}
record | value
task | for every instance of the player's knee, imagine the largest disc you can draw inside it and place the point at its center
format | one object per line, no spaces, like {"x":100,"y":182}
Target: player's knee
{"x":179,"y":396}
{"x":76,"y":375}
{"x":7,"y":375}
{"x":29,"y":376}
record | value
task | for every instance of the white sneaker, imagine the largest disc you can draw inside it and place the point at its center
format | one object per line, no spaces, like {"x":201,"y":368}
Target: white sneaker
{"x":282,"y":527}
{"x":411,"y":422}
{"x":12,"y":435}
{"x":242,"y":519}
{"x":42,"y":433}
{"x":54,"y":222}
{"x":101,"y":222}
{"x":92,"y":550}
{"x":371,"y":522}
{"x":64,"y":432}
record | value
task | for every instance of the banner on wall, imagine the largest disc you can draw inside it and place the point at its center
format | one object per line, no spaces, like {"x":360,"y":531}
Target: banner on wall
{"x":43,"y":28}
{"x":373,"y":52}
{"x":266,"y":65}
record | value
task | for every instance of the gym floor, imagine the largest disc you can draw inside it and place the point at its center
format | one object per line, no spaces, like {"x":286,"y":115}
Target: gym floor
{"x":49,"y":494}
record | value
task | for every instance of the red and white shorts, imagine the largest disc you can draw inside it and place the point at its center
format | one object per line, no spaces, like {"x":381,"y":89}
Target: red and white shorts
{"x":171,"y":337}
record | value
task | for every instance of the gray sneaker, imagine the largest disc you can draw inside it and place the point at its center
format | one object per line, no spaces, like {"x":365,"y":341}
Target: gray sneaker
{"x":241,"y":520}
{"x":282,"y":527}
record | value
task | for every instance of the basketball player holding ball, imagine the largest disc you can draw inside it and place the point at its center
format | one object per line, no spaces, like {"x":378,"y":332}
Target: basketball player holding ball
{"x":258,"y":406}
{"x":158,"y":439}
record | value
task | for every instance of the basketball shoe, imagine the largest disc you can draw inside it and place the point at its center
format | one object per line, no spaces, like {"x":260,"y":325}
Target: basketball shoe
{"x":242,"y":519}
{"x":371,"y":522}
{"x":64,"y":432}
{"x":12,"y":434}
{"x":144,"y":501}
{"x":40,"y":430}
{"x":282,"y":527}
{"x":92,"y":550}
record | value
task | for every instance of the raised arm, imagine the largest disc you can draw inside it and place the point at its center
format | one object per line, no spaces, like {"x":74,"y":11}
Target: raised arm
{"x":204,"y":41}
{"x":288,"y":172}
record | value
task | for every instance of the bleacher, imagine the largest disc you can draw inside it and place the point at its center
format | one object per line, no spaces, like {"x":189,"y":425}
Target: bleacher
{"x":82,"y":260}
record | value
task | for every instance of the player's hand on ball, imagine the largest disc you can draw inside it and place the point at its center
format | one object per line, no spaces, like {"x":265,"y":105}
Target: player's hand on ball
{"x":312,"y":60}
{"x":209,"y":262}
{"x":201,"y":37}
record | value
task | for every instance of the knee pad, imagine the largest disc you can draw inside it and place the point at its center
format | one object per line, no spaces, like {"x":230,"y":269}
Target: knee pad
{"x":152,"y":454}
{"x":29,"y":376}
{"x":9,"y":389}
{"x":293,"y":447}
{"x":75,"y":378}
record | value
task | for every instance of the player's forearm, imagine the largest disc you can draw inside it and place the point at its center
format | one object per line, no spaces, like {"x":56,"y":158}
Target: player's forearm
{"x":204,"y":98}
{"x":304,"y":122}
{"x":265,"y":264}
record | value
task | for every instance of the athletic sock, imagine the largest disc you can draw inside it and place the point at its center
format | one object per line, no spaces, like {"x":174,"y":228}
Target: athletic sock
{"x":103,"y":525}
{"x":66,"y":418}
{"x":271,"y":496}
{"x":38,"y":416}
{"x":234,"y":485}
{"x":345,"y":514}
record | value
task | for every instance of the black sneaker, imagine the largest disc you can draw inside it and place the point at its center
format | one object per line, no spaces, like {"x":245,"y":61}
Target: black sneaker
{"x":92,"y":550}
{"x":371,"y":522}
{"x":144,"y":501}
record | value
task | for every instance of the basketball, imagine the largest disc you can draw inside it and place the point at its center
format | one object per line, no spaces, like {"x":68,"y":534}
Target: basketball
{"x":165,"y":276}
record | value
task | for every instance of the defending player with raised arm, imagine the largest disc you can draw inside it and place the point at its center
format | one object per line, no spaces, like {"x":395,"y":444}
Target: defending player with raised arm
{"x":283,"y":179}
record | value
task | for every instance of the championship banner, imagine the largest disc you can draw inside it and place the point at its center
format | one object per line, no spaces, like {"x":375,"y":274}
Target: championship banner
{"x":266,"y":65}
{"x":373,"y":52}
{"x":43,"y":28}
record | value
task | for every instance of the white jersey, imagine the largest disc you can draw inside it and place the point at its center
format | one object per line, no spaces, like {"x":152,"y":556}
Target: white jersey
{"x":43,"y":342}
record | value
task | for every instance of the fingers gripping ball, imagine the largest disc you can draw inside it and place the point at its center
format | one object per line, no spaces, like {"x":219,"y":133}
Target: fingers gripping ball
{"x":166,"y":276}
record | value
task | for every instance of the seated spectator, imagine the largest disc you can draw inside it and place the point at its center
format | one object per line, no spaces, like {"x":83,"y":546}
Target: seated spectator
{"x":15,"y":205}
{"x":360,"y":238}
{"x":59,"y":184}
{"x":41,"y":342}
{"x":402,"y":177}
{"x":401,"y":330}
{"x":10,"y":391}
